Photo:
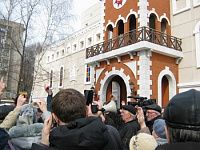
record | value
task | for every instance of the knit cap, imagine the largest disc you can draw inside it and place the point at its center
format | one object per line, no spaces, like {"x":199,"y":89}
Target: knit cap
{"x":158,"y":127}
{"x":28,"y":114}
{"x":142,"y":141}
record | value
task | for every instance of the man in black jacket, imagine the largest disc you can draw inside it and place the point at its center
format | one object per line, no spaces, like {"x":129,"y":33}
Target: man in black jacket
{"x":130,"y":127}
{"x":153,"y":112}
{"x":74,"y":130}
{"x":182,"y":117}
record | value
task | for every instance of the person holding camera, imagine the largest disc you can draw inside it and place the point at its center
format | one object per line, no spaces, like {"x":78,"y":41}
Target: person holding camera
{"x":131,"y":126}
{"x":77,"y":128}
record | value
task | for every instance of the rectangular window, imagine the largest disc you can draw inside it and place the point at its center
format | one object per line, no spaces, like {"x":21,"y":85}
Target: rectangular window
{"x":180,"y":5}
{"x":51,"y":79}
{"x":88,"y":73}
{"x":61,"y":76}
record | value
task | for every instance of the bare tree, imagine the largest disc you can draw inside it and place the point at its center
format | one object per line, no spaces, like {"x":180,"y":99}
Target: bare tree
{"x":43,"y":21}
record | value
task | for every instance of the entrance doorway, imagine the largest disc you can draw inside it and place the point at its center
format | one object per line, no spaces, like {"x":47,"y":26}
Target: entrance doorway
{"x":117,"y":87}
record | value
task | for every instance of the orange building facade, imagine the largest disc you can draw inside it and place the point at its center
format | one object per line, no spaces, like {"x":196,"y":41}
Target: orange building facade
{"x":138,"y":50}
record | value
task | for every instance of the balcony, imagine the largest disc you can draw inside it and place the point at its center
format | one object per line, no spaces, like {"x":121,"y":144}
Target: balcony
{"x":133,"y":37}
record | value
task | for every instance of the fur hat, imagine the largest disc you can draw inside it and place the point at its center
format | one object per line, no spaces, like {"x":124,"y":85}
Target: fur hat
{"x":142,"y":141}
{"x":27,"y":115}
{"x":183,"y":111}
{"x":154,"y":107}
{"x":130,"y":108}
{"x":158,"y":127}
{"x":3,"y":138}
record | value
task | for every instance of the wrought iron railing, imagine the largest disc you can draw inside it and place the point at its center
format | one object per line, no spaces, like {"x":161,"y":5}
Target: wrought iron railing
{"x":132,"y":37}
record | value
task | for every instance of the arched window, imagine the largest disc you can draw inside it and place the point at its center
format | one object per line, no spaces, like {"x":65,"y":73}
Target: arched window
{"x":110,"y":32}
{"x":152,"y":26}
{"x":132,"y":23}
{"x":88,"y":74}
{"x":61,"y":76}
{"x":51,"y":79}
{"x":152,"y":23}
{"x":132,"y":27}
{"x":121,"y":27}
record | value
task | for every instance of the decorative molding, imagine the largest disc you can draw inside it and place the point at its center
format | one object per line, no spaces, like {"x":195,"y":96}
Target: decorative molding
{"x":108,"y":76}
{"x":73,"y":73}
{"x":133,"y":66}
{"x":118,"y":58}
{"x":108,"y":61}
{"x":172,"y":84}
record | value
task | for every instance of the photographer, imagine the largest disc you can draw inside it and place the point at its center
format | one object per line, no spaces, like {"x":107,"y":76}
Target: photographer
{"x":74,"y":130}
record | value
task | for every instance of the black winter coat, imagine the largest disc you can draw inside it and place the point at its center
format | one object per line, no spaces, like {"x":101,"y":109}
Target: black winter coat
{"x":128,"y":130}
{"x":179,"y":146}
{"x":83,"y":134}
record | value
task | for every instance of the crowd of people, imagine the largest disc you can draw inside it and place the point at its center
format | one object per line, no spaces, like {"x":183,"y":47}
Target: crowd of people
{"x":64,"y":121}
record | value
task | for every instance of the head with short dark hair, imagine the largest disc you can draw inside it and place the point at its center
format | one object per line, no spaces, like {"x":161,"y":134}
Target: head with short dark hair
{"x":68,"y":105}
{"x":182,"y":117}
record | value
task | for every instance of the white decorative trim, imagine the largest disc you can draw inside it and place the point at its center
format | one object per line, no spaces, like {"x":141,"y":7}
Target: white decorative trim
{"x":164,"y":17}
{"x":144,"y":73}
{"x":108,"y":61}
{"x":120,"y":18}
{"x":118,"y":58}
{"x":172,"y":84}
{"x":197,"y":41}
{"x":131,"y":13}
{"x":108,"y":76}
{"x":153,"y":12}
{"x":131,"y":54}
{"x":73,"y":73}
{"x":143,"y":11}
{"x":98,"y":73}
{"x":133,"y":66}
{"x":97,"y":63}
{"x":195,"y":3}
{"x":109,"y":23}
{"x":180,"y":10}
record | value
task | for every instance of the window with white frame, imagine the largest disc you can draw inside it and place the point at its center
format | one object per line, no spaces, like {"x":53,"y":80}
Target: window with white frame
{"x":88,"y":73}
{"x":61,"y":77}
{"x":63,"y":52}
{"x":48,"y":58}
{"x":197,"y":41}
{"x":52,"y":56}
{"x":81,"y":44}
{"x":57,"y":54}
{"x":68,"y":50}
{"x":97,"y":37}
{"x":196,"y":2}
{"x":74,"y":47}
{"x":180,"y":5}
{"x":89,"y":41}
